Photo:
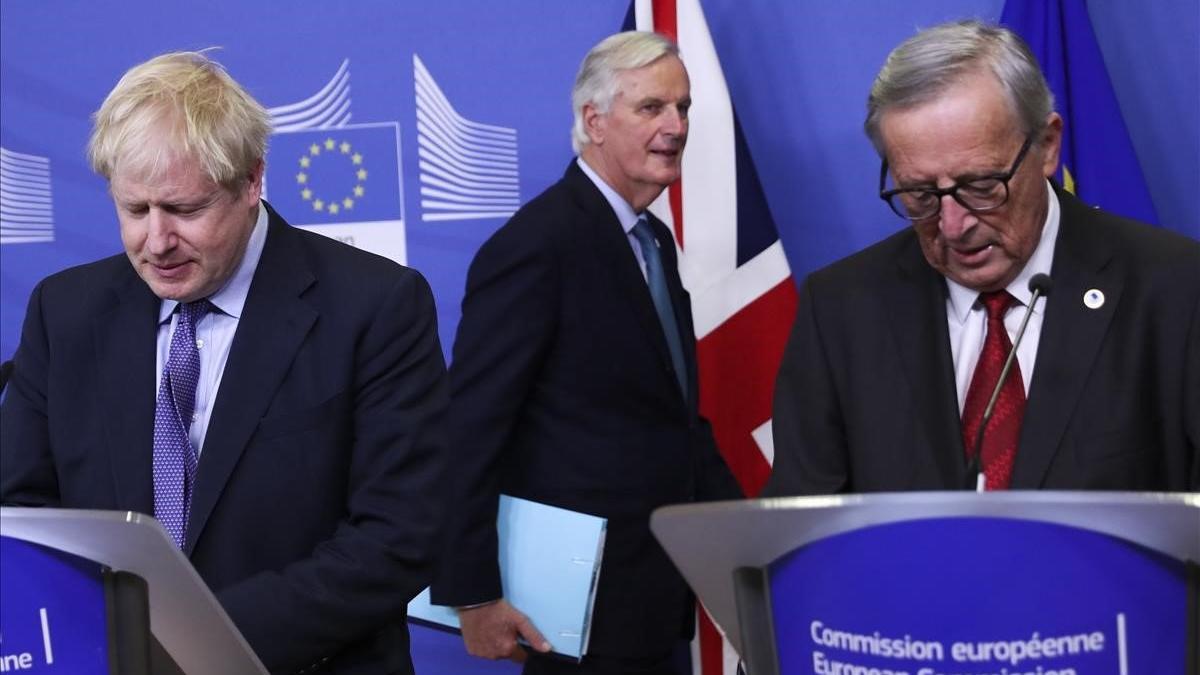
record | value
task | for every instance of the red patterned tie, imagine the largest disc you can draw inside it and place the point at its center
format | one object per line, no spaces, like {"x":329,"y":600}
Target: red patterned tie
{"x":1004,"y":428}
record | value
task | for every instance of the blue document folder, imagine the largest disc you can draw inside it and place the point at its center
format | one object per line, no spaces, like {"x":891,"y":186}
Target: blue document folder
{"x":549,"y":566}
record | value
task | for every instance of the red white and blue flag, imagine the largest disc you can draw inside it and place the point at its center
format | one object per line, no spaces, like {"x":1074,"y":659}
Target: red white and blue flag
{"x":732,"y":263}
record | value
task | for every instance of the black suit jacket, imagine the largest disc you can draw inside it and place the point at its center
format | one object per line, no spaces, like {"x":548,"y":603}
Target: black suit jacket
{"x":866,"y":398}
{"x":563,"y":393}
{"x":316,"y":502}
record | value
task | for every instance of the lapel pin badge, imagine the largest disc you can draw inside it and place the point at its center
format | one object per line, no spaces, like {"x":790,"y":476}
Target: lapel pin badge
{"x":1093,"y":298}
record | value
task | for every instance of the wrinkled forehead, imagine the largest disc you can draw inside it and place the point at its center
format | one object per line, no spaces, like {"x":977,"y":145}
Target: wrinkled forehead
{"x":159,"y":172}
{"x":973,"y":108}
{"x":664,"y":77}
{"x":151,"y":163}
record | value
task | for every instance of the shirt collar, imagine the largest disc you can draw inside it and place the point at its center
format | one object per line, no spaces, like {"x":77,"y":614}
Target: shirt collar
{"x":962,"y":299}
{"x":625,"y":213}
{"x":231,"y":298}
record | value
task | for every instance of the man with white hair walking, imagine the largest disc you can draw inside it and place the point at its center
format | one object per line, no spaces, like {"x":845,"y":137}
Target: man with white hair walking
{"x":574,"y":375}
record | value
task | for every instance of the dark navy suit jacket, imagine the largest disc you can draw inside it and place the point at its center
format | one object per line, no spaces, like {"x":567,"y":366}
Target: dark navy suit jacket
{"x":866,"y":398}
{"x":317,"y":496}
{"x":563,"y":392}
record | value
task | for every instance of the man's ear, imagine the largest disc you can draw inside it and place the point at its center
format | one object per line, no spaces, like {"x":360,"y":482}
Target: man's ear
{"x":1051,"y":142}
{"x":254,"y":179}
{"x":595,"y":123}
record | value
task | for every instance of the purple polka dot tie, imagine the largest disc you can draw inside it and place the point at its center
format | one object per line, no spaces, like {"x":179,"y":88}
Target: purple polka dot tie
{"x":1004,"y":428}
{"x":174,"y":456}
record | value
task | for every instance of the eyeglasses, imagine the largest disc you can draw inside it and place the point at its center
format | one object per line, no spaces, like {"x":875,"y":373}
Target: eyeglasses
{"x":978,"y":194}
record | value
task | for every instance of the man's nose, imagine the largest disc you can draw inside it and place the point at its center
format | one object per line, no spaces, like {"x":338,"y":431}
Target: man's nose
{"x":160,"y":231}
{"x":674,"y":122}
{"x":955,"y":219}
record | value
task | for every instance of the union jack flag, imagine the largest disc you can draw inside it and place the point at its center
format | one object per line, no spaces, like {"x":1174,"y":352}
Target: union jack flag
{"x":733,"y":264}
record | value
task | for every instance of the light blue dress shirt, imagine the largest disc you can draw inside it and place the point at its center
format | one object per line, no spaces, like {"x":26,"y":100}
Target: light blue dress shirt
{"x":214,"y":332}
{"x":625,"y":213}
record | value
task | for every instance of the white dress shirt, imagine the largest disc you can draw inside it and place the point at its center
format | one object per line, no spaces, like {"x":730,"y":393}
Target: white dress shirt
{"x":967,"y":319}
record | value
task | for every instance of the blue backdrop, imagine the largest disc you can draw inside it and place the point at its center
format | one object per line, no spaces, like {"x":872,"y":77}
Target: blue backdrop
{"x":496,"y":76}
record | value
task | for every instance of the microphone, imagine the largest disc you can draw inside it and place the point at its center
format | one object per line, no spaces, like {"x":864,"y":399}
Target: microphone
{"x":1039,"y":285}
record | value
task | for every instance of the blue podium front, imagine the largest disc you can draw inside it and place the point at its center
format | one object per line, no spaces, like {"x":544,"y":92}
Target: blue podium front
{"x":53,"y":612}
{"x":980,"y":596}
{"x":86,"y":592}
{"x":949,"y":583}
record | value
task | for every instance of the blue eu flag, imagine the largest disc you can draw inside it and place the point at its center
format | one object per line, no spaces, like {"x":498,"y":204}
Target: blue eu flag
{"x":347,"y":174}
{"x":1098,"y":162}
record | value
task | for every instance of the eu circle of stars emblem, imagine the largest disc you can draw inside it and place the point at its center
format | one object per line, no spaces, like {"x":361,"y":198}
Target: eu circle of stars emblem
{"x":338,"y":157}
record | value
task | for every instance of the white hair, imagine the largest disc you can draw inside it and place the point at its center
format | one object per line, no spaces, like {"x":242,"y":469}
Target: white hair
{"x":596,"y":82}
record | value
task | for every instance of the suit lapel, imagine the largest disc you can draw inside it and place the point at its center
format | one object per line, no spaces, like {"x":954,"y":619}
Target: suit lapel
{"x":916,"y":306}
{"x":611,"y":244}
{"x":125,"y":340}
{"x":1070,"y":340}
{"x":274,"y":323}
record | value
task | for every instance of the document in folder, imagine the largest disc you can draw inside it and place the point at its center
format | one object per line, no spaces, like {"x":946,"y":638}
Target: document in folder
{"x":549,"y":565}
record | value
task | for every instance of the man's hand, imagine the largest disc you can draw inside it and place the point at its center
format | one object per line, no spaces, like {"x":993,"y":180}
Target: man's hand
{"x":491,"y":631}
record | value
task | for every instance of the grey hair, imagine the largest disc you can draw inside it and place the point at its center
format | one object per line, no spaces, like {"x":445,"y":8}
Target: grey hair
{"x":928,"y":63}
{"x":179,"y":103}
{"x":596,"y":82}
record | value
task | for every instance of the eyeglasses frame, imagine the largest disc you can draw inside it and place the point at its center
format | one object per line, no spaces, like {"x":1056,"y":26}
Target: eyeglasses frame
{"x":1003,"y":177}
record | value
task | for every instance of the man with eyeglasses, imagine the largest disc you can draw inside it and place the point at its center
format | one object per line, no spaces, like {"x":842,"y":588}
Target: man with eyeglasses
{"x":897,"y":350}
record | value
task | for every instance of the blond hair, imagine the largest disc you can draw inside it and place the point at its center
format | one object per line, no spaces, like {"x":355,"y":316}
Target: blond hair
{"x":181,"y":104}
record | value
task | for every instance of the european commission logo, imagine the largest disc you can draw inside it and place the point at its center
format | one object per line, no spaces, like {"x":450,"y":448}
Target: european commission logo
{"x":338,"y":179}
{"x":468,"y":169}
{"x":26,"y":200}
{"x":337,"y":176}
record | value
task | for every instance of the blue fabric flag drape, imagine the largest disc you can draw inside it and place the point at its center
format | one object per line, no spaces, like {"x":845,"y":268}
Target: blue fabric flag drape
{"x":1098,"y":162}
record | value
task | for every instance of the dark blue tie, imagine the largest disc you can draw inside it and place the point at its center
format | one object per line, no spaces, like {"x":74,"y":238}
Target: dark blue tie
{"x":174,"y":456}
{"x":657,"y":281}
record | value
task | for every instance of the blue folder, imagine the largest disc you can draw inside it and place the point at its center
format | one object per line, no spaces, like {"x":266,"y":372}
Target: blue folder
{"x":549,"y":566}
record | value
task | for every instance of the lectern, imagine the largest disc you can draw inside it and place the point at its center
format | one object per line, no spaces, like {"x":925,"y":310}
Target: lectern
{"x":948,"y":583}
{"x":107,"y":592}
